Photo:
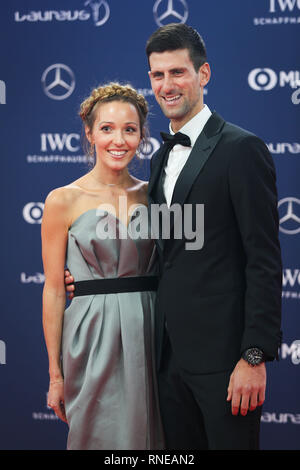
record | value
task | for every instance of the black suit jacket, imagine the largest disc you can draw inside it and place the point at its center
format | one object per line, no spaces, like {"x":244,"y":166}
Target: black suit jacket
{"x":225,"y":297}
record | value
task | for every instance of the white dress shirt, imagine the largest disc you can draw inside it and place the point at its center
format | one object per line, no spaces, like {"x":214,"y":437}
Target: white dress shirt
{"x":179,"y":154}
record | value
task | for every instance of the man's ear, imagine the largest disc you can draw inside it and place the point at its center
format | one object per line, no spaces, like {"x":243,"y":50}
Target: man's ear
{"x":204,"y":74}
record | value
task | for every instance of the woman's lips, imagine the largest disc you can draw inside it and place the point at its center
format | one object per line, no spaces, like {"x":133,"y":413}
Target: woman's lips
{"x":118,"y":154}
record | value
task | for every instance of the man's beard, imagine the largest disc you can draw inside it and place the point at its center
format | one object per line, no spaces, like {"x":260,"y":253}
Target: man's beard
{"x":178,"y":113}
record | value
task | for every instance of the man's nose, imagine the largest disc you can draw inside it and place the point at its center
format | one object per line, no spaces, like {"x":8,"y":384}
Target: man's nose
{"x":168,"y":84}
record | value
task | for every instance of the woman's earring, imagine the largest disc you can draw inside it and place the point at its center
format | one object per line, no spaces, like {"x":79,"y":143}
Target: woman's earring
{"x":91,"y":150}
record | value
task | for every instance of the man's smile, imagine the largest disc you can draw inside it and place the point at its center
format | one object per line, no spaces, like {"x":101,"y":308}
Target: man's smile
{"x":171,"y":100}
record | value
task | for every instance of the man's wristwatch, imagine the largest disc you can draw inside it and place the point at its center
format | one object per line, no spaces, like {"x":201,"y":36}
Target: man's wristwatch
{"x":254,"y":356}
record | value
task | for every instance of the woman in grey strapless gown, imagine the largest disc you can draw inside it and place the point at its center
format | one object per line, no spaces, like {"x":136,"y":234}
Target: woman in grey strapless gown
{"x":107,"y":347}
{"x":102,"y":378}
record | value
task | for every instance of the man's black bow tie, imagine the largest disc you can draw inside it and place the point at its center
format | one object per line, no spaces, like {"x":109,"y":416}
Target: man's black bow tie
{"x":175,"y":139}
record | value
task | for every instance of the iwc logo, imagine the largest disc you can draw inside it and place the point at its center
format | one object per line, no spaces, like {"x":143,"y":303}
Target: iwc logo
{"x":280,"y":12}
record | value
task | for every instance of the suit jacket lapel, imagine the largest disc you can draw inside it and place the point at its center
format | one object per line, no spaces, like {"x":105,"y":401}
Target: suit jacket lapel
{"x":157,"y":168}
{"x":200,"y":153}
{"x":154,"y":191}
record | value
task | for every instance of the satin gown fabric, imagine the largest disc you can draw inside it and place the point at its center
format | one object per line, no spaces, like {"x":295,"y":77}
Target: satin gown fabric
{"x":108,"y":342}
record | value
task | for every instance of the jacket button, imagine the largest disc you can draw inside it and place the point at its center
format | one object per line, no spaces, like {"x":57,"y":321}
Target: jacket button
{"x":168,"y":265}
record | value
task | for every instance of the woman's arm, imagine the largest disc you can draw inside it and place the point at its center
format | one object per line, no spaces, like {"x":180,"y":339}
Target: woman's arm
{"x":54,"y":243}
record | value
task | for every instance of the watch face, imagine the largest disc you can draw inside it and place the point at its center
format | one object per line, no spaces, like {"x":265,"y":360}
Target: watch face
{"x":254,"y":356}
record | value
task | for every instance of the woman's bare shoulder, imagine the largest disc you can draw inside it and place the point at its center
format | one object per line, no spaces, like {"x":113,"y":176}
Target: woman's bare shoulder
{"x":63,"y":197}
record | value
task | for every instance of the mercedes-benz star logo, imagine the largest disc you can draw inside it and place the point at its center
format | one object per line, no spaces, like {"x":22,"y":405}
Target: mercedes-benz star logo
{"x":289,"y":220}
{"x":58,"y":81}
{"x":161,"y":14}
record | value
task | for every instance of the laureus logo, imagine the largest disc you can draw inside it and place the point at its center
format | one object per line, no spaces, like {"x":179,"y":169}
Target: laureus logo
{"x":99,"y":12}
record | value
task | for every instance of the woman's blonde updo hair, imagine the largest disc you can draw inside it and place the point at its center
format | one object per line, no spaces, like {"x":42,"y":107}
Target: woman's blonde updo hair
{"x":113,"y":92}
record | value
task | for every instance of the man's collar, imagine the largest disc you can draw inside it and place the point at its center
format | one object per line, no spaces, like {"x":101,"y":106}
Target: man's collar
{"x":195,"y":125}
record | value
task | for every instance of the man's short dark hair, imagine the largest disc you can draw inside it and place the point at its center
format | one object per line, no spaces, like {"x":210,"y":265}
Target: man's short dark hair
{"x":174,"y":36}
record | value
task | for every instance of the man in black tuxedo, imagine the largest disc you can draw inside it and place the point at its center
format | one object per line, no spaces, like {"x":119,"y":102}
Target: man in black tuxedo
{"x":218,"y":308}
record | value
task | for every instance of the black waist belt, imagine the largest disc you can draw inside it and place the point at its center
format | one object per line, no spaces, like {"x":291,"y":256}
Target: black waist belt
{"x":116,"y":285}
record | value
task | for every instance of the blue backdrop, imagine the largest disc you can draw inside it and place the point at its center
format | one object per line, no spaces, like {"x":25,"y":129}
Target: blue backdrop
{"x":52,"y":53}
